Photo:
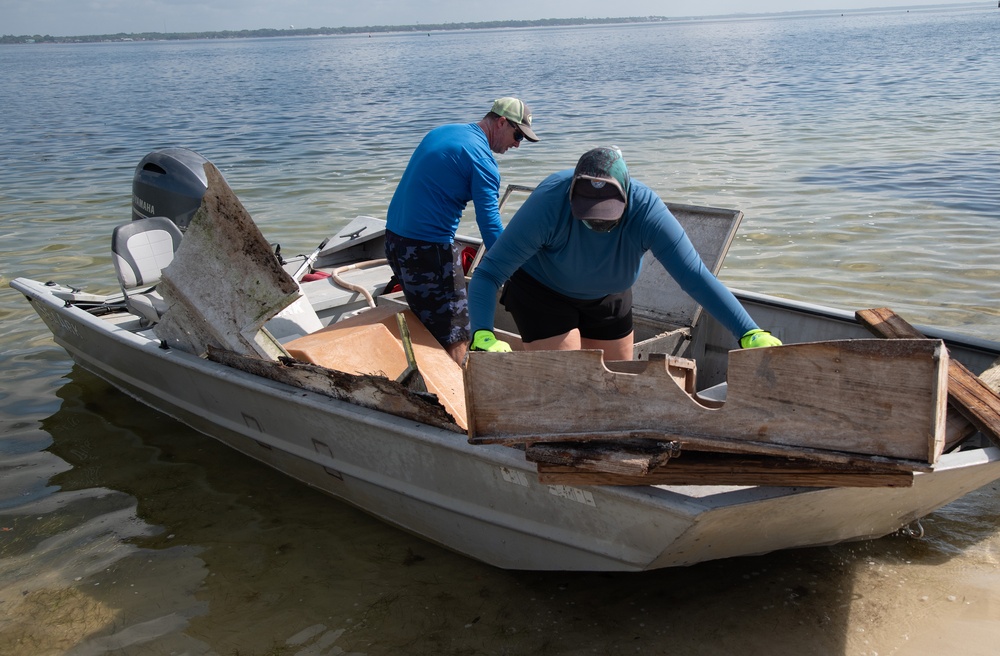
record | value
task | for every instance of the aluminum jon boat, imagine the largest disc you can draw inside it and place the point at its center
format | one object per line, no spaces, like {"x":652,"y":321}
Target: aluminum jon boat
{"x":368,"y":435}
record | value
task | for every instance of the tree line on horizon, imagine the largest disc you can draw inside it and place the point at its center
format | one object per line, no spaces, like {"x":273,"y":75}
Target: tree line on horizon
{"x":321,"y":31}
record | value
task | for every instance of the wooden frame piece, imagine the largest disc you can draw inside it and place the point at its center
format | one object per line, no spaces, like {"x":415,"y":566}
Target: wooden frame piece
{"x":864,"y":397}
{"x":967,"y":393}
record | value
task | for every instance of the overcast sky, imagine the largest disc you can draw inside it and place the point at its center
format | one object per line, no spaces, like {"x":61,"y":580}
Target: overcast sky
{"x":83,"y":17}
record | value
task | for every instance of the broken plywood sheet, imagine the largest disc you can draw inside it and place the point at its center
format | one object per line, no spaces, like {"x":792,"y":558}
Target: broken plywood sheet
{"x":369,"y":344}
{"x":373,"y":392}
{"x":870,"y":397}
{"x":224,"y":282}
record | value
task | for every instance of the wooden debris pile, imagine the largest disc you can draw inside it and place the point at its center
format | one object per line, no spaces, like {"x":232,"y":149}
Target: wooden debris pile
{"x":859,"y":413}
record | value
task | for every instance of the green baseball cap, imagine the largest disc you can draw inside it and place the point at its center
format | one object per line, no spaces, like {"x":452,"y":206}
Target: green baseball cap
{"x":600,"y":186}
{"x":516,"y":111}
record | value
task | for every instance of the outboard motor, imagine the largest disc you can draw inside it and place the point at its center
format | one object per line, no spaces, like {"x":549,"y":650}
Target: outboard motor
{"x":169,"y":182}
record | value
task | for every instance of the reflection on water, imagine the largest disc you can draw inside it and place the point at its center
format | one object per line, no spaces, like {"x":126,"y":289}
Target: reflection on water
{"x":190,"y":547}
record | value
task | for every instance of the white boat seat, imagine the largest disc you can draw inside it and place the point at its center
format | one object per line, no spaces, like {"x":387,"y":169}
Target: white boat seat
{"x":141,"y":250}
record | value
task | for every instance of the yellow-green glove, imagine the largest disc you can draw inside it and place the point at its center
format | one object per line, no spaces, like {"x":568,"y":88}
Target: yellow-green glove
{"x":485,"y":340}
{"x":757,"y":338}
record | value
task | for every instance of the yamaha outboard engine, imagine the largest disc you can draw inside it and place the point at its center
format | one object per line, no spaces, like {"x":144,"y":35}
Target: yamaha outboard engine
{"x":169,"y":182}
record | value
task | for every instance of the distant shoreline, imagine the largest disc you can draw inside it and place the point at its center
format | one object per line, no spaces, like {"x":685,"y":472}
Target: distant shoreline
{"x":324,"y":31}
{"x":445,"y":27}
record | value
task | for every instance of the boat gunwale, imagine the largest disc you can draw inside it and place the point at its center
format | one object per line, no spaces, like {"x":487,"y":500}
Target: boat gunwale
{"x":950,"y":337}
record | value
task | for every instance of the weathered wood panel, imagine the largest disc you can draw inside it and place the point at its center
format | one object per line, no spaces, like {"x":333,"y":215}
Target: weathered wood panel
{"x":872,"y":397}
{"x":224,"y":282}
{"x":967,"y":393}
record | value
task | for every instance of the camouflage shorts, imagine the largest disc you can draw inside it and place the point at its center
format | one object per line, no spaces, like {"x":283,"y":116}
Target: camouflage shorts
{"x":433,"y":283}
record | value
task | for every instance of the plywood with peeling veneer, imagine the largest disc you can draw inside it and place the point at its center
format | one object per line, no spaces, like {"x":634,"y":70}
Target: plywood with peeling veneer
{"x":369,"y":343}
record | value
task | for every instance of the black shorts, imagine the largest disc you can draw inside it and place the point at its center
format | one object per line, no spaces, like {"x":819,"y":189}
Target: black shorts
{"x":541,"y":312}
{"x":433,"y":283}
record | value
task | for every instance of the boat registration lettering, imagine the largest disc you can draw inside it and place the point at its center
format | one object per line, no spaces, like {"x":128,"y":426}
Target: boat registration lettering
{"x":514,"y":476}
{"x":573,"y":493}
{"x":56,"y":321}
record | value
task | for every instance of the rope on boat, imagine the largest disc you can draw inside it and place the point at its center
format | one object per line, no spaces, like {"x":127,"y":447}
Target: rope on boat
{"x":335,"y":276}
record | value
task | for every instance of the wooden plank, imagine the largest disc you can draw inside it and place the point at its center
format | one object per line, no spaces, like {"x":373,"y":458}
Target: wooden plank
{"x":673,"y":342}
{"x":635,"y":458}
{"x":870,"y":397}
{"x":679,"y":472}
{"x":967,"y":393}
{"x":886,"y":323}
{"x":639,"y":462}
{"x":977,"y":402}
{"x":716,"y":445}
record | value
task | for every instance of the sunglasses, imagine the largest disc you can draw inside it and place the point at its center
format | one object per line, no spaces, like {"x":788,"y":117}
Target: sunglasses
{"x":518,"y":135}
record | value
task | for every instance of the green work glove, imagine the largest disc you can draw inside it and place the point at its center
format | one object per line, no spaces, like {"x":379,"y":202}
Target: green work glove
{"x":757,"y":338}
{"x":485,"y":340}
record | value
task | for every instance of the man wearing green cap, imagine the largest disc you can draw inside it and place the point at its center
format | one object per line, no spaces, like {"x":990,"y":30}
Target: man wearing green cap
{"x":452,"y":165}
{"x":572,"y":253}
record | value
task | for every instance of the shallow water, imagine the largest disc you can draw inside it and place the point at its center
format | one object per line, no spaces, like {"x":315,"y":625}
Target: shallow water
{"x":860,"y":147}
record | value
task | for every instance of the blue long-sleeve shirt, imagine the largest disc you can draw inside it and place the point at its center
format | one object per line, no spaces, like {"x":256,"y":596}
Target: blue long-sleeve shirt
{"x":559,"y":251}
{"x":452,"y":165}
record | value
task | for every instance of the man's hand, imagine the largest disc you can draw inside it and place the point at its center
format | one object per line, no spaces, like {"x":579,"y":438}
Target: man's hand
{"x":485,"y":340}
{"x":757,"y":338}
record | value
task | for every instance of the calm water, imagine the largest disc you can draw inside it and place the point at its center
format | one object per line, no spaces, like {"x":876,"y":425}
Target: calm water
{"x":863,"y":148}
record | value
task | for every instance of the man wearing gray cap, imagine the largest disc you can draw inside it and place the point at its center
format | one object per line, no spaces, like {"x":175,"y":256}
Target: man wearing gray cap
{"x":572,"y":253}
{"x":452,"y":165}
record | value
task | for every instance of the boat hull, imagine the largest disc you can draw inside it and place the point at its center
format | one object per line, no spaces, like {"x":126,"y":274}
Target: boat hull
{"x":484,"y":501}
